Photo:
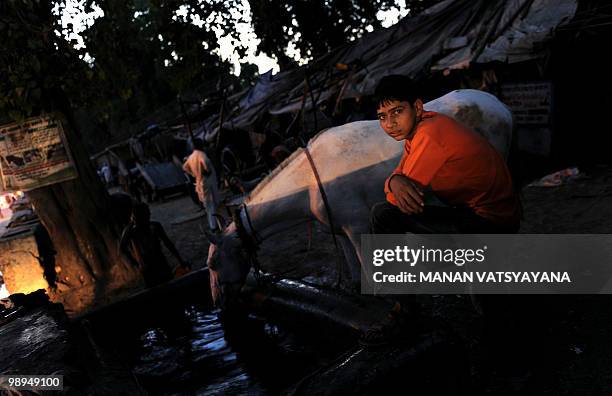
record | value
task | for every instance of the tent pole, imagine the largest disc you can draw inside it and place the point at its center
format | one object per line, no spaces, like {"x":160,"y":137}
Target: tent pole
{"x":187,"y":122}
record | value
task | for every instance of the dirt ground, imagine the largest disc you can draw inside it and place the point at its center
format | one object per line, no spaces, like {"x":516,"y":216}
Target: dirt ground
{"x":580,"y":352}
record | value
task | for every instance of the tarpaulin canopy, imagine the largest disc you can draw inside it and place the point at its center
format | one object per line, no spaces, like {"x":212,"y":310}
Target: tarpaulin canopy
{"x":453,"y":34}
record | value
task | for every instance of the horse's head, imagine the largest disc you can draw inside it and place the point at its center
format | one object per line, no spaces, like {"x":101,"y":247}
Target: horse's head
{"x":228,"y":264}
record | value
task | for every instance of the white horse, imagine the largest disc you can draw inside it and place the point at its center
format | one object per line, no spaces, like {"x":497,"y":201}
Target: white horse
{"x":353,"y":161}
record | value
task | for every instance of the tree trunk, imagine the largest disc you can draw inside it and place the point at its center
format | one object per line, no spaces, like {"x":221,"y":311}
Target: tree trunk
{"x":77,"y":214}
{"x":85,"y":231}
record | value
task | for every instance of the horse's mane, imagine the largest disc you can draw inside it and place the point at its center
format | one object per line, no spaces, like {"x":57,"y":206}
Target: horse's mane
{"x":266,"y":180}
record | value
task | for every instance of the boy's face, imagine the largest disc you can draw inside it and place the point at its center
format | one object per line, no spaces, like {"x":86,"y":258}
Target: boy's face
{"x":399,"y":118}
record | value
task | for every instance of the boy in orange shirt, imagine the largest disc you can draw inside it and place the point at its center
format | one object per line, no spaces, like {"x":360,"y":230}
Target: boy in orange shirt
{"x":444,"y":161}
{"x":445,"y":158}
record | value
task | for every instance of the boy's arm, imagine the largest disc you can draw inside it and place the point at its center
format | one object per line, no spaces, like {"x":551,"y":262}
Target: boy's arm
{"x":126,"y":235}
{"x":419,"y":167}
{"x":397,"y":171}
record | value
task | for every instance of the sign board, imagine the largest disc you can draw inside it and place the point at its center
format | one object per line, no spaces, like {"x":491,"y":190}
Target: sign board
{"x":34,"y":154}
{"x":531,"y":105}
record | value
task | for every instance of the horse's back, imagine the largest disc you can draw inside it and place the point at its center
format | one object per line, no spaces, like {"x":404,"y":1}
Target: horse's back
{"x":480,"y":111}
{"x":347,"y":148}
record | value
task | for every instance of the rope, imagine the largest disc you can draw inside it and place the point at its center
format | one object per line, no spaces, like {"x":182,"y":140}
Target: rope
{"x":246,"y":215}
{"x":328,"y":212}
{"x":250,"y":243}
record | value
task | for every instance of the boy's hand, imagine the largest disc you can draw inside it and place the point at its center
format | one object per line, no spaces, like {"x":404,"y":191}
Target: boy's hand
{"x":407,"y":194}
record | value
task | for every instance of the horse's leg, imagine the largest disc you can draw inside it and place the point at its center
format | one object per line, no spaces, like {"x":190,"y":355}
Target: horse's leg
{"x":354,"y":259}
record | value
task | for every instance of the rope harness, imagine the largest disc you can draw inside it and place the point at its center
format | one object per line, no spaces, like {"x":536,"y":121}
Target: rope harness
{"x":250,"y":240}
{"x":329,"y":215}
{"x":323,"y":195}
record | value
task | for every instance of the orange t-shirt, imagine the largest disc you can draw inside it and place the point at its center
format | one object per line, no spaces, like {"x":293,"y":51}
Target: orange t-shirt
{"x":461,"y":167}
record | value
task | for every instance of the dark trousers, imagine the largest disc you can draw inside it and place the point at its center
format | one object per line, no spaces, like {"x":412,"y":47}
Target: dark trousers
{"x":386,"y":218}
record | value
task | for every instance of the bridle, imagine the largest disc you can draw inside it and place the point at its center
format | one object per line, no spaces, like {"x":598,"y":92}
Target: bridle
{"x":248,"y":237}
{"x":246,"y":225}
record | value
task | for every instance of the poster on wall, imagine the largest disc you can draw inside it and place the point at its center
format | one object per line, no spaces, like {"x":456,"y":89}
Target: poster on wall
{"x":531,"y":103}
{"x":34,"y":154}
{"x":532,"y":107}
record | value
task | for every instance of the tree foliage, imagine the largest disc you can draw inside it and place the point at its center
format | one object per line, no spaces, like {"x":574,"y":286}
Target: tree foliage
{"x":41,"y":67}
{"x":315,"y":27}
{"x":141,"y":54}
{"x":35,"y":63}
{"x":166,"y":52}
{"x":137,"y":57}
{"x":146,"y":52}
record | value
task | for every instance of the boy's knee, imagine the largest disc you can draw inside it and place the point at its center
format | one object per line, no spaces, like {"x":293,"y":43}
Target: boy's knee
{"x":381,"y":214}
{"x":377,"y":211}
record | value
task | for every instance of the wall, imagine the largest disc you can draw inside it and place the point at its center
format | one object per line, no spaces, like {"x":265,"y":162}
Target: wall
{"x":19,"y":265}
